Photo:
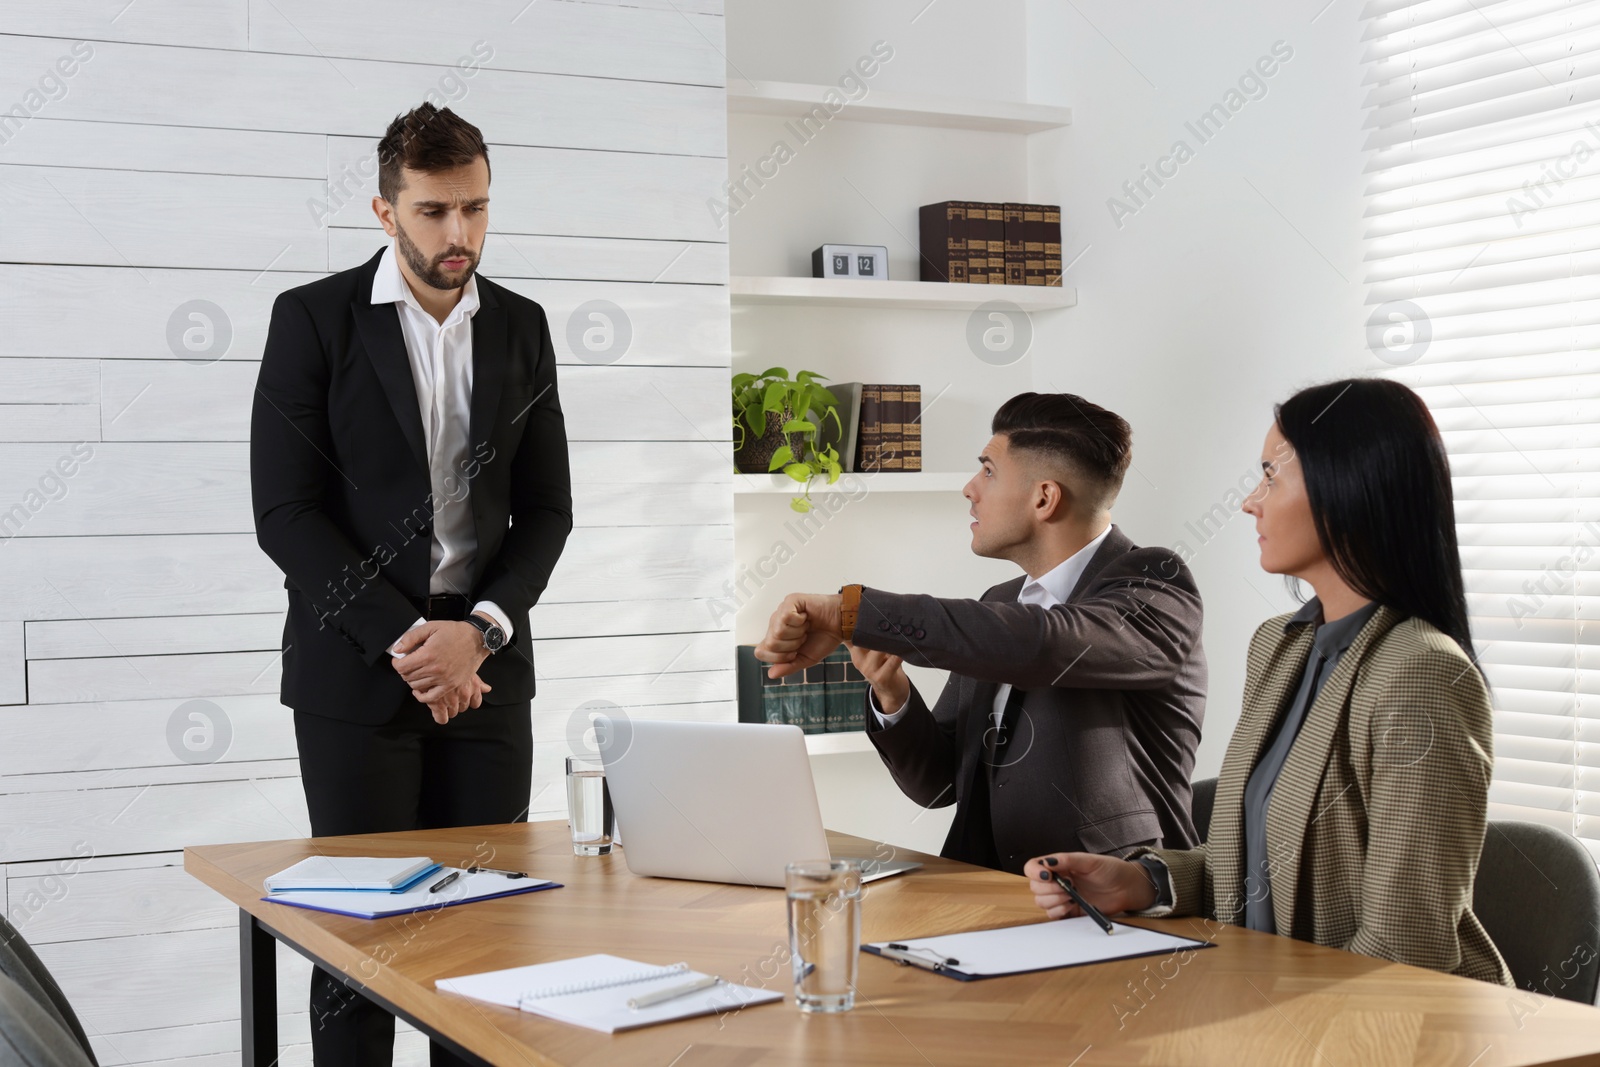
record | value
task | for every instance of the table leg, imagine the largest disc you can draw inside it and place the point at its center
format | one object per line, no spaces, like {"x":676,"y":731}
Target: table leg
{"x":258,"y":992}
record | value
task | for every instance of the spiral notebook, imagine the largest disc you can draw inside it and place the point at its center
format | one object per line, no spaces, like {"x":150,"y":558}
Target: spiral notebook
{"x":594,"y":991}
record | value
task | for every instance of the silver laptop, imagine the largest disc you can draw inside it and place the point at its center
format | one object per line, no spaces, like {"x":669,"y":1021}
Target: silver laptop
{"x":716,"y":802}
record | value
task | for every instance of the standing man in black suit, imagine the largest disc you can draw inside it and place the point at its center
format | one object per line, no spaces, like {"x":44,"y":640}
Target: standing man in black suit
{"x":1076,"y":691}
{"x":409,"y":474}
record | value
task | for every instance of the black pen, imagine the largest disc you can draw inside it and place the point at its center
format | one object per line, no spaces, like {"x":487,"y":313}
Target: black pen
{"x":446,"y":880}
{"x":491,"y":870}
{"x":903,"y":958}
{"x":949,"y":961}
{"x":1088,"y":908}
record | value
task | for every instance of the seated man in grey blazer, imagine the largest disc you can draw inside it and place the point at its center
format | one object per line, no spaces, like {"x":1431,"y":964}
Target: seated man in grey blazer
{"x":1076,"y":690}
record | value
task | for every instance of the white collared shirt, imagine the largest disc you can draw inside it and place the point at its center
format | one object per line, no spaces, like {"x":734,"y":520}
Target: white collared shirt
{"x":441,"y":368}
{"x":1049,"y":589}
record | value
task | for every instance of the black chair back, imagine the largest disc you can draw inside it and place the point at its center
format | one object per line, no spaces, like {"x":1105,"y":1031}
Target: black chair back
{"x":23,"y":966}
{"x":31,"y":1035}
{"x":1538,"y":895}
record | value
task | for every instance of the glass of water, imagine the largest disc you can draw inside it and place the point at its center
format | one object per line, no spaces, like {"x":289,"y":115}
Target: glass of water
{"x":824,"y":932}
{"x":589,"y":807}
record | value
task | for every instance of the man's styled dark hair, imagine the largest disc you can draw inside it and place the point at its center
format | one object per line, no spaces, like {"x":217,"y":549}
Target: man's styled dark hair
{"x":1090,"y":444}
{"x":426,"y":139}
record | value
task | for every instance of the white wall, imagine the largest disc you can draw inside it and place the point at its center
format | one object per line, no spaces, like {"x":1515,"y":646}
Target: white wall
{"x":1210,"y":303}
{"x":199,"y":151}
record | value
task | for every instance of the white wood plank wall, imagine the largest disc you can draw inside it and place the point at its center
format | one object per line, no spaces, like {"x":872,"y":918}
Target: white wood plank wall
{"x":165,"y":151}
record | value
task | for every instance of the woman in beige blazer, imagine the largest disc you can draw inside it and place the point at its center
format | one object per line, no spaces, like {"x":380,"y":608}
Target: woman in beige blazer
{"x":1351,"y":805}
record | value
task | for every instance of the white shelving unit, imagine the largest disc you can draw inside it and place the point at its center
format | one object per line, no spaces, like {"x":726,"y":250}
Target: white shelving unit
{"x":901,"y":109}
{"x":881,"y":482}
{"x":792,"y":100}
{"x":840,"y":292}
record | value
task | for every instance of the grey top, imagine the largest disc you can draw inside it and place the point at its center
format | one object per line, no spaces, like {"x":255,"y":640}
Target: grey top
{"x":1327,"y":646}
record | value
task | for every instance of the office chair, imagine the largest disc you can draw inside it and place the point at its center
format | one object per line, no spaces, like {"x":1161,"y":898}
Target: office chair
{"x":20,"y":964}
{"x":1205,"y":795}
{"x":1538,"y":895}
{"x":30,"y":1036}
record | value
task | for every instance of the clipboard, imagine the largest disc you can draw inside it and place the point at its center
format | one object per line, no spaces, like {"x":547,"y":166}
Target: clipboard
{"x":1043,"y":946}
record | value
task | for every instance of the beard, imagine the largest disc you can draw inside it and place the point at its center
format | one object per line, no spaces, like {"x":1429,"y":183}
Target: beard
{"x":432,"y":272}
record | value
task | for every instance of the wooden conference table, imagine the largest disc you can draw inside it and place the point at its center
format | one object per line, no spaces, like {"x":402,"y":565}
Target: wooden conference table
{"x":1254,"y":998}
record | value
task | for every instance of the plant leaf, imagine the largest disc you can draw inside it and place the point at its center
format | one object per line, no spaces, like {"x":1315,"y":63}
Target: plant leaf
{"x":757,"y":418}
{"x":800,"y":472}
{"x":772,"y":400}
{"x":784,"y":455}
{"x":797,"y":425}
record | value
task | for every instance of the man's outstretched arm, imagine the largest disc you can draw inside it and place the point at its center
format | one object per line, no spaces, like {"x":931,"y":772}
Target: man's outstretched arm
{"x":1135,"y":629}
{"x":1132,"y":632}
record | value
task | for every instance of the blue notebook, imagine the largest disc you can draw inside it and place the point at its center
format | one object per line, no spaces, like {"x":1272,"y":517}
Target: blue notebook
{"x":377,"y":904}
{"x":384,"y":874}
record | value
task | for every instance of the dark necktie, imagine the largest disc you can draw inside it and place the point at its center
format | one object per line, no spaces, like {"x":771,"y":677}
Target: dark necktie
{"x":999,"y":741}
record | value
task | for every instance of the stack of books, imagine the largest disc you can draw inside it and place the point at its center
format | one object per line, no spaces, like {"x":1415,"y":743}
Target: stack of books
{"x":991,"y":244}
{"x":889,"y":437}
{"x":828,"y":697}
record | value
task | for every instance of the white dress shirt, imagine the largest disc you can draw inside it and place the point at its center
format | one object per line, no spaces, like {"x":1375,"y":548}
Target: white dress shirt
{"x":1049,"y":589}
{"x":441,"y":368}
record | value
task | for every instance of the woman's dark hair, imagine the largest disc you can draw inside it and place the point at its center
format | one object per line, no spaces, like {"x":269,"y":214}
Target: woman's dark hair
{"x":426,"y":139}
{"x":1378,"y":480}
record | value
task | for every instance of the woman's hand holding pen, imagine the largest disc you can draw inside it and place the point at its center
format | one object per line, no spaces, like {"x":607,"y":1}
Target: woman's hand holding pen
{"x":1110,"y":884}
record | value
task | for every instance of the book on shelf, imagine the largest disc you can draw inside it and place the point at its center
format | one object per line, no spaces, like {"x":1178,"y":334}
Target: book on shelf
{"x":1015,"y":244}
{"x":976,"y":248}
{"x":1052,"y":244}
{"x":890,"y":436}
{"x":911,"y":428}
{"x":996,"y":233}
{"x":991,"y":244}
{"x":943,"y":240}
{"x":977,"y":243}
{"x":825,"y":697}
{"x":869,"y":435}
{"x":1032,"y":244}
{"x":890,"y":456}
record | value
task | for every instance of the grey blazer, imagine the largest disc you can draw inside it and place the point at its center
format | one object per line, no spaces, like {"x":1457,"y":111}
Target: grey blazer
{"x":1100,"y":757}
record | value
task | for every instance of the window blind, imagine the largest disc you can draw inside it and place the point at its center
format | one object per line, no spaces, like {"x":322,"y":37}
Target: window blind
{"x":1482,"y":253}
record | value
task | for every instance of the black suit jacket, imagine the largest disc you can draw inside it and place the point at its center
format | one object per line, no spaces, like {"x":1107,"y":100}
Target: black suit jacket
{"x":343,"y":500}
{"x":1100,"y":757}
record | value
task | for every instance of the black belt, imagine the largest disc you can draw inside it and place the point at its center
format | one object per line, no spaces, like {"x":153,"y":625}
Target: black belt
{"x":443,"y":606}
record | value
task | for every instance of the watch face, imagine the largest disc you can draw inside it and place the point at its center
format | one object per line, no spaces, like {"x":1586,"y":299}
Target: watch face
{"x":494,"y":638}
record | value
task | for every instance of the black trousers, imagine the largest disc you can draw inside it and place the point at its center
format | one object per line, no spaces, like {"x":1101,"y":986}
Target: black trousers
{"x":408,"y":774}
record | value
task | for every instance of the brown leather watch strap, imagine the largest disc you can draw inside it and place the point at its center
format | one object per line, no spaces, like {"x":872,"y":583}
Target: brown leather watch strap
{"x":849,"y":609}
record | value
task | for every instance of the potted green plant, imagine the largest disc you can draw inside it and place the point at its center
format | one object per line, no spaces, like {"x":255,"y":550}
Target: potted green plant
{"x":793,"y":442}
